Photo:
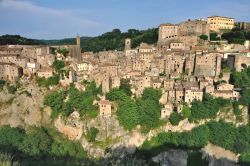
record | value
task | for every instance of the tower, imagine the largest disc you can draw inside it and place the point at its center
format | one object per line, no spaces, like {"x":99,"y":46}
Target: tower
{"x":127,"y":44}
{"x":78,"y":40}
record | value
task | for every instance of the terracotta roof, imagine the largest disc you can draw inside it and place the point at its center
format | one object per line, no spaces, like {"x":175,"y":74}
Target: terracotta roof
{"x":7,"y":55}
{"x":105,"y":102}
{"x":220,"y":16}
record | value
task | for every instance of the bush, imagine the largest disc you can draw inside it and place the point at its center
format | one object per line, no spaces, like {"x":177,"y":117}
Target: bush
{"x":175,"y":118}
{"x":204,"y":37}
{"x":186,"y":112}
{"x":91,"y":134}
{"x":79,"y":101}
{"x":51,"y":81}
{"x":11,"y":89}
{"x":58,"y":65}
{"x":2,"y":83}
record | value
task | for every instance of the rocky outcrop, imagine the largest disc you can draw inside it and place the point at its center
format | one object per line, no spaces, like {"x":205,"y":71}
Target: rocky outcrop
{"x":217,"y":154}
{"x":23,"y":108}
{"x":172,"y":158}
{"x":72,"y":127}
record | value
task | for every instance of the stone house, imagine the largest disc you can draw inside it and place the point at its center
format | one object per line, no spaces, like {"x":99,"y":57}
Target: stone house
{"x":45,"y":72}
{"x":115,"y":82}
{"x":157,"y":84}
{"x":105,"y":108}
{"x":46,"y":60}
{"x":10,"y":71}
{"x":224,"y":86}
{"x":191,"y":95}
{"x":166,"y":111}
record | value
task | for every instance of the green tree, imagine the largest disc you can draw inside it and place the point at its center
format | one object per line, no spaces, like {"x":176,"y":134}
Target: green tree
{"x":125,"y":86}
{"x":175,"y":118}
{"x":37,"y":142}
{"x":11,"y":89}
{"x":223,"y":134}
{"x":91,"y":134}
{"x":128,"y":115}
{"x":149,"y":112}
{"x":204,"y":37}
{"x":55,"y":101}
{"x":186,"y":112}
{"x":58,"y":65}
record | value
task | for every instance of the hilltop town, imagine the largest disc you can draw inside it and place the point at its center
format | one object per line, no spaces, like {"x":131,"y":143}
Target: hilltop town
{"x":183,"y":64}
{"x":186,"y":66}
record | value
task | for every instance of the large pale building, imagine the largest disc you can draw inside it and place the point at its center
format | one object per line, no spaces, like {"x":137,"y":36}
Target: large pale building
{"x":168,"y":31}
{"x":187,"y":32}
{"x":218,"y":23}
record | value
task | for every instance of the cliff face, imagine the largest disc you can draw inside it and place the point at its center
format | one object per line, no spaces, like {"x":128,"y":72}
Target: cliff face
{"x":23,"y":108}
{"x":175,"y":157}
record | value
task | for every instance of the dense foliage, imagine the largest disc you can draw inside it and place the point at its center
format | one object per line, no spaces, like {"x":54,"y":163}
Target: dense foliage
{"x":207,"y":108}
{"x":11,"y":89}
{"x":237,"y":36}
{"x":125,"y":86}
{"x":214,"y":36}
{"x":127,"y":110}
{"x":175,"y":118}
{"x":37,"y":142}
{"x":81,"y":101}
{"x":18,"y":40}
{"x":58,"y":65}
{"x":91,"y":134}
{"x":144,"y":111}
{"x":51,"y":81}
{"x":219,"y":133}
{"x":112,"y":40}
{"x":242,"y":80}
{"x":204,"y":37}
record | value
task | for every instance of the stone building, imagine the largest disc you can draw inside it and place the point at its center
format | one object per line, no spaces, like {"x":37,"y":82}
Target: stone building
{"x":187,"y":32}
{"x":191,"y":95}
{"x":194,"y":28}
{"x":238,"y":61}
{"x":46,"y":60}
{"x":127,"y":44}
{"x":166,"y":111}
{"x":218,"y":23}
{"x":175,"y":45}
{"x":168,"y":32}
{"x":207,"y":64}
{"x":45,"y":72}
{"x":10,"y":71}
{"x":105,"y":108}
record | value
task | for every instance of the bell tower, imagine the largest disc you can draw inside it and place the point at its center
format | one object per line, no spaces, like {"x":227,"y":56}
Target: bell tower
{"x":78,"y":40}
{"x":127,"y":44}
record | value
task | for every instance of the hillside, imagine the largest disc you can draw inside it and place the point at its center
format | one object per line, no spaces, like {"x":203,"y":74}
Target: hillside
{"x":18,"y":40}
{"x":111,"y":40}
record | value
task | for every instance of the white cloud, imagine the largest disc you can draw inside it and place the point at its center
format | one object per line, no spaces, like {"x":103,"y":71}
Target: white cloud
{"x":27,"y":6}
{"x":46,"y":20}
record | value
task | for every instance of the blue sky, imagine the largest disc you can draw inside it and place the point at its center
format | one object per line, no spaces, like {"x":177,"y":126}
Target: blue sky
{"x":55,"y":19}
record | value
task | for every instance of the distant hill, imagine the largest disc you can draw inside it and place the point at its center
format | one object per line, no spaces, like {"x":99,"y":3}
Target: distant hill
{"x":111,"y":40}
{"x":18,"y":40}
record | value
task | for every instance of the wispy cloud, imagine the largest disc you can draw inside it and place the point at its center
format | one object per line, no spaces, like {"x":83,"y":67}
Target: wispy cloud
{"x":45,"y":18}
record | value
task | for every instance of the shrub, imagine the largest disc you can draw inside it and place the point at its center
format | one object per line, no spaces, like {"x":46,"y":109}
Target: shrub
{"x":175,"y":118}
{"x":11,"y":89}
{"x":91,"y":134}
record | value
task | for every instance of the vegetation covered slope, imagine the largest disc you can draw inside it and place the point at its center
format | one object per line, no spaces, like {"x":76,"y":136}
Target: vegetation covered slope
{"x":113,"y":40}
{"x":18,"y":40}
